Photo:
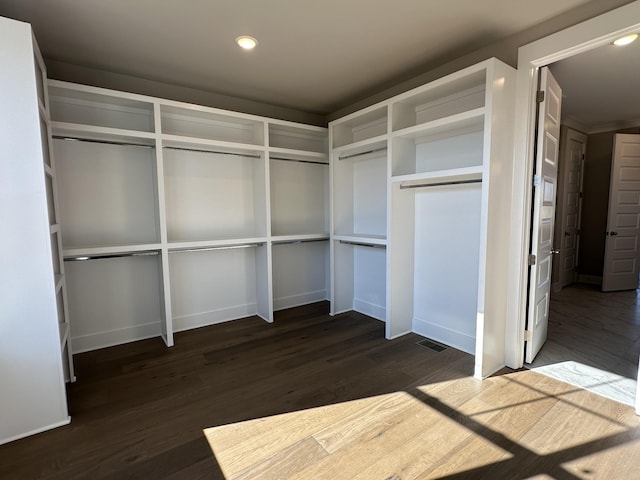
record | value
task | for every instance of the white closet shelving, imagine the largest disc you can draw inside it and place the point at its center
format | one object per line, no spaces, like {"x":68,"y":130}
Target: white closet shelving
{"x":189,"y":215}
{"x":438,"y":199}
{"x":34,"y":344}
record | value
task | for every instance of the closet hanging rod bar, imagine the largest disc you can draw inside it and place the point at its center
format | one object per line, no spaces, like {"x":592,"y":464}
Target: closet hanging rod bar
{"x":82,"y":258}
{"x":299,"y":161}
{"x":375,"y":150}
{"x":308,"y":240}
{"x":441,"y":184}
{"x":106,"y":142}
{"x":203,"y":150}
{"x":363,"y":244}
{"x":221,"y":247}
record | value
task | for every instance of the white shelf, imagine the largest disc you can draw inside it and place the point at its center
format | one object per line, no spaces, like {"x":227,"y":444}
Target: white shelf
{"x":360,"y":126}
{"x":98,"y":107}
{"x":109,"y":250}
{"x":211,"y":125}
{"x":204,"y":244}
{"x":456,"y":93}
{"x":276,"y":239}
{"x":297,"y":138}
{"x":362,"y":238}
{"x":451,"y":175}
{"x":301,"y":155}
{"x":105,"y":134}
{"x":452,"y":125}
{"x":213,"y":146}
{"x":360,"y":148}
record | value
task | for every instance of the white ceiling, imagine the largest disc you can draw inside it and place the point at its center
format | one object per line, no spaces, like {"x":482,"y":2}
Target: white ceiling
{"x":314,"y":55}
{"x":600,"y":88}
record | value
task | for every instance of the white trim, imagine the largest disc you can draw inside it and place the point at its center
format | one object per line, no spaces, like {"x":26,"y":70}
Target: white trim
{"x":61,"y":423}
{"x":566,"y":43}
{"x":371,"y":309}
{"x":291,"y":301}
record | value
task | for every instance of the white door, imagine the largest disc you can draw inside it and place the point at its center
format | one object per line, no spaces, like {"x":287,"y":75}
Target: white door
{"x":621,"y":252}
{"x":571,"y":205}
{"x":544,"y":206}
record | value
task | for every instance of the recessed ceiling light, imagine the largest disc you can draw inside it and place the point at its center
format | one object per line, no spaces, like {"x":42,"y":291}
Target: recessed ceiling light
{"x":626,"y":40}
{"x":246,"y":42}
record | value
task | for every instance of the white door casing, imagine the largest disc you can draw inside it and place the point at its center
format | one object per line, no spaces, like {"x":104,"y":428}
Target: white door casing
{"x":622,"y":252}
{"x":572,"y":165}
{"x":544,"y":206}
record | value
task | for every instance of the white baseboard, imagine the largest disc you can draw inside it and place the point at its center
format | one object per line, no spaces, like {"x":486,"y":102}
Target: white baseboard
{"x":13,"y":438}
{"x":297,"y":300}
{"x":441,"y":334}
{"x":203,"y":319}
{"x":94,"y":341}
{"x":367,"y":308}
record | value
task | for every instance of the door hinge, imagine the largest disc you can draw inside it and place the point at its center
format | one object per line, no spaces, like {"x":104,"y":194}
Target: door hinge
{"x":528,"y":336}
{"x":532,"y":259}
{"x":583,"y":156}
{"x":536,"y":180}
{"x":580,"y":195}
{"x":540,"y":96}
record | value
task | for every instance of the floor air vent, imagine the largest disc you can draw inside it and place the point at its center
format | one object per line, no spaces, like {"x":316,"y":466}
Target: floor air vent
{"x":435,"y":346}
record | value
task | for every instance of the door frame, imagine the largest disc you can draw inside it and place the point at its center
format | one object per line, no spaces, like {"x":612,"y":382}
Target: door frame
{"x":582,"y":37}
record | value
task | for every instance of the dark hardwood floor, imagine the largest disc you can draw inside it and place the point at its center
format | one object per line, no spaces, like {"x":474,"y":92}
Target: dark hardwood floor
{"x":139,"y":410}
{"x":385,"y":410}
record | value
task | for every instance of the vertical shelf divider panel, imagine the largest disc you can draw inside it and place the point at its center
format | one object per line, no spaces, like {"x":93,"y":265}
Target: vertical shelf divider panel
{"x":161,"y":215}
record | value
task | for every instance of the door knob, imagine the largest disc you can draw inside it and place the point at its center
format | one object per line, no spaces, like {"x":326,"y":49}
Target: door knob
{"x":567,"y":234}
{"x":554,"y":252}
{"x":613,"y":234}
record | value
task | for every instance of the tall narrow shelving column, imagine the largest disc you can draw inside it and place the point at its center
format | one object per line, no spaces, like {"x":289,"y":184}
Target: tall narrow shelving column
{"x":299,"y":213}
{"x":359,"y":212}
{"x":33,"y":326}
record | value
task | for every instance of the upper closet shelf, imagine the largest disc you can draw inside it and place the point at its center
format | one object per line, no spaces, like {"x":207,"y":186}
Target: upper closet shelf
{"x":359,"y":238}
{"x":309,"y":237}
{"x":102,"y":134}
{"x":209,"y":124}
{"x":297,"y":138}
{"x":97,"y":107}
{"x":215,"y":244}
{"x":363,"y":147}
{"x":213,"y":146}
{"x":454,"y":175}
{"x":108,"y":250}
{"x":370,"y":123}
{"x":276,"y":153}
{"x":446,"y":127}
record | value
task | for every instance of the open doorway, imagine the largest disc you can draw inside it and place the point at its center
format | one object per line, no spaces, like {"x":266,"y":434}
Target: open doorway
{"x":598,"y":32}
{"x":593,"y":337}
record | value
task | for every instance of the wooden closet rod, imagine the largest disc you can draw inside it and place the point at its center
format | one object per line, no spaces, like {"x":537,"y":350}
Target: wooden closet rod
{"x":441,"y":184}
{"x":82,"y":258}
{"x":106,"y":142}
{"x":299,"y":161}
{"x":221,"y":247}
{"x":362,"y":244}
{"x":291,"y":242}
{"x":375,"y":150}
{"x":202,"y":150}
